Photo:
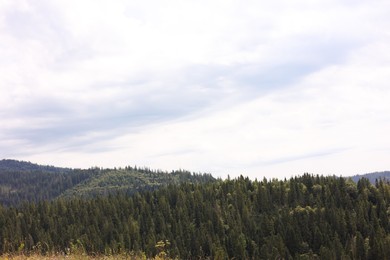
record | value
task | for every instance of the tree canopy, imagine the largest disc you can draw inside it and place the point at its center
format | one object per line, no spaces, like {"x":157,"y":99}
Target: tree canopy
{"x":306,"y":217}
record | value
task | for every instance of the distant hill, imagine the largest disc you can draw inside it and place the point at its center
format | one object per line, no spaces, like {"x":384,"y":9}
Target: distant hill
{"x":24,"y":181}
{"x":372,"y":177}
{"x":22,"y":166}
{"x":130,"y":180}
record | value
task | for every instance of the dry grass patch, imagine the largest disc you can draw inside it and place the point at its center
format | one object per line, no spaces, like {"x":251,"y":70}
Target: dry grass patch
{"x":68,"y":257}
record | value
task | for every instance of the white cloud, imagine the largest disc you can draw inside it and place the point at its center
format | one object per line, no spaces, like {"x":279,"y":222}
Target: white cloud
{"x":249,"y":87}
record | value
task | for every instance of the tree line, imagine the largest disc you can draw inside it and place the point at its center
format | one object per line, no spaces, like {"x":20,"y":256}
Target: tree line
{"x":306,"y":217}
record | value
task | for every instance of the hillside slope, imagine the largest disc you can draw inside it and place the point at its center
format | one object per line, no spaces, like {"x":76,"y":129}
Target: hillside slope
{"x":307,"y":217}
{"x":22,"y":166}
{"x":25,"y":181}
{"x":372,"y":177}
{"x":130,"y":180}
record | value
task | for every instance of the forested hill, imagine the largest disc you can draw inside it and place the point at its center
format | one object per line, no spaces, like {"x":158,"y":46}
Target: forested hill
{"x":307,"y":217}
{"x":129,"y":180}
{"x":373,"y":177}
{"x":22,"y":166}
{"x":25,"y":181}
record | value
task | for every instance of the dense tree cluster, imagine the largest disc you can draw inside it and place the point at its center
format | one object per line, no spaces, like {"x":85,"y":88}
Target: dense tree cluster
{"x":34,"y":186}
{"x":25,"y":181}
{"x":22,"y":166}
{"x":129,"y":180}
{"x":308,"y":217}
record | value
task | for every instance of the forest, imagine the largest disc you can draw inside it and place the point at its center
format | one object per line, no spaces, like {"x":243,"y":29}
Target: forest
{"x":305,"y":217}
{"x":27,"y":182}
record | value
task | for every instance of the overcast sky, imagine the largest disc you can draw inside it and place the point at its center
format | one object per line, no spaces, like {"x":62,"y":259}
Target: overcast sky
{"x":258,"y":88}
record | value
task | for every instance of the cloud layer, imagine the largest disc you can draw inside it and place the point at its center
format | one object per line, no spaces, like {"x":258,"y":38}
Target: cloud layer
{"x":228,"y":87}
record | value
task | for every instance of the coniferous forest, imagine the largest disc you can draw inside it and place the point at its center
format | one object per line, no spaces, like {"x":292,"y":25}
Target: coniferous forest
{"x":28,"y":182}
{"x":306,"y":217}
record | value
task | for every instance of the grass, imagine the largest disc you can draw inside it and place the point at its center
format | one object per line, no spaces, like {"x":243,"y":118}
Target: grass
{"x":54,"y":257}
{"x":69,"y":257}
{"x":77,"y":257}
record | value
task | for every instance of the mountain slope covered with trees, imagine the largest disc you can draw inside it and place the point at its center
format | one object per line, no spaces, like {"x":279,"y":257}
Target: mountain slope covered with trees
{"x":22,"y":166}
{"x":28,"y":182}
{"x":373,"y":177}
{"x":307,"y":217}
{"x":130,"y":180}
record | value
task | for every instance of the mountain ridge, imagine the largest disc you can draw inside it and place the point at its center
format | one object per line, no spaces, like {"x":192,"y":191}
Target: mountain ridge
{"x":16,"y":165}
{"x":372,"y":177}
{"x":25,"y":181}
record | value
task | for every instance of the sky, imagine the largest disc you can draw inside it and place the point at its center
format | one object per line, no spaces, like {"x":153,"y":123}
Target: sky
{"x":256,"y":88}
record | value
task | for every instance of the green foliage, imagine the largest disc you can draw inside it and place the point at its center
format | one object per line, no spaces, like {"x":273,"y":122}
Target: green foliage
{"x":130,"y":180}
{"x":307,"y":217}
{"x":20,"y":166}
{"x":27,"y":182}
{"x":32,"y":186}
